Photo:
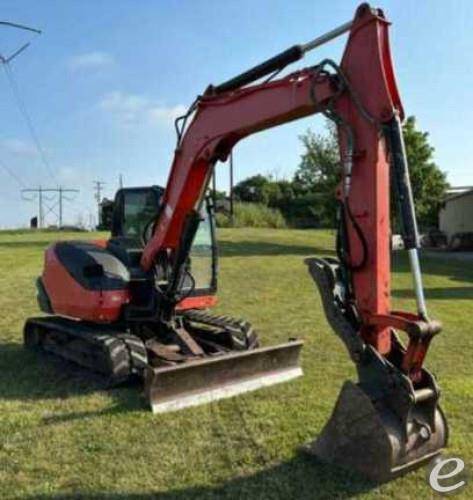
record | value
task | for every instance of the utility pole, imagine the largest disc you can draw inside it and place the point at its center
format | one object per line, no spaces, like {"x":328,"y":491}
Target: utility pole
{"x":5,"y":59}
{"x":48,"y":204}
{"x":98,"y":190}
{"x":62,"y":197}
{"x":91,"y":221}
{"x":40,"y":209}
{"x":39,"y":192}
{"x":98,"y":196}
{"x":214,"y":188}
{"x":120,"y":181}
{"x":60,"y":207}
{"x":232,"y":220}
{"x":61,"y":191}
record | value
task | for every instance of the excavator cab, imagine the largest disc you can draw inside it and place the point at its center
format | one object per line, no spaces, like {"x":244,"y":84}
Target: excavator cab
{"x":133,"y":209}
{"x":134,"y":212}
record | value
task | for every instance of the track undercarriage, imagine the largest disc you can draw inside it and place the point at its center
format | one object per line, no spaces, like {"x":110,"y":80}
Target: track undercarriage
{"x":198,"y":358}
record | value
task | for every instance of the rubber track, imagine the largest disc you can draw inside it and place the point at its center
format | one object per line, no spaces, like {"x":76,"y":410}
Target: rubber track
{"x":242,"y":332}
{"x":112,"y":353}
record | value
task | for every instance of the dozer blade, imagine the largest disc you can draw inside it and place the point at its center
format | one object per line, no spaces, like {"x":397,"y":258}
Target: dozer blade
{"x":172,"y":388}
{"x":372,"y":440}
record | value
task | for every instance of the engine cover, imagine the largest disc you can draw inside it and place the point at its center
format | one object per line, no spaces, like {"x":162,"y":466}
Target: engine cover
{"x":84,"y":281}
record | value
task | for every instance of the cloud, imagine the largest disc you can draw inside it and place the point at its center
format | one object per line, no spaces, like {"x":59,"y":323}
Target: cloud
{"x":18,"y":147}
{"x":90,"y":60}
{"x":132,"y":109}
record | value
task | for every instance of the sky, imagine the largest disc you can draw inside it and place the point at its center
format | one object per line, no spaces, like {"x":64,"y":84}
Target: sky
{"x":104,"y":81}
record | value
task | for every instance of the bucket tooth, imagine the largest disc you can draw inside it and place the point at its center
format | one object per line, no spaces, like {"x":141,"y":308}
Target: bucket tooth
{"x":368,"y":438}
{"x":172,"y":388}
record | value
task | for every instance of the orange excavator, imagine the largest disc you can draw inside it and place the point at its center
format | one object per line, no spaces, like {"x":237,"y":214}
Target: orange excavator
{"x":135,"y":304}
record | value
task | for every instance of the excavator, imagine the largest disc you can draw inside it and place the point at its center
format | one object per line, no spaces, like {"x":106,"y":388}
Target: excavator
{"x":139,"y":302}
{"x":109,"y":315}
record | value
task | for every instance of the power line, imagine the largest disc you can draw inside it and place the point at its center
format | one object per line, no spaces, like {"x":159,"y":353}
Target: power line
{"x":17,"y":52}
{"x":98,"y":185}
{"x":47,"y":205}
{"x":5,"y":60}
{"x":26,"y":116}
{"x":12,"y":174}
{"x":231,"y":192}
{"x":20,"y":102}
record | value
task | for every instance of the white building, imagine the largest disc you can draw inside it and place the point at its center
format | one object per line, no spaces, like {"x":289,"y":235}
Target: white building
{"x":457,"y":214}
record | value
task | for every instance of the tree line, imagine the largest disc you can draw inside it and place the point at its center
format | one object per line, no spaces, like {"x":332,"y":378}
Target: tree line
{"x":308,"y":199}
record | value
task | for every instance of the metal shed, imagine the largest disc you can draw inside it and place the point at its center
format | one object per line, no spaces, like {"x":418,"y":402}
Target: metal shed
{"x":457,"y":214}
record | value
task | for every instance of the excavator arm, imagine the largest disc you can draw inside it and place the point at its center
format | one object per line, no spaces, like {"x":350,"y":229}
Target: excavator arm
{"x":400,"y":422}
{"x":361,"y":97}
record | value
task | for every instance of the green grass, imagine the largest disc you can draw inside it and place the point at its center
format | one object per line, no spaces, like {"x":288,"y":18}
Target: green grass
{"x":63,"y":438}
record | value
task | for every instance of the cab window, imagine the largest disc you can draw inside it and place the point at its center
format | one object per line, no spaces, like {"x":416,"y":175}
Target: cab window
{"x":201,"y":254}
{"x":139,"y":208}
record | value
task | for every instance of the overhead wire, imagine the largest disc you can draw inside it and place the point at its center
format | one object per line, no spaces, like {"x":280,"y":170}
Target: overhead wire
{"x":27,"y":117}
{"x":5,"y":61}
{"x":12,"y":174}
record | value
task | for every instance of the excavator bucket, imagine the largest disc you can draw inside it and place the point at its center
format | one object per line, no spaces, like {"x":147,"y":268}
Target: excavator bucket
{"x":172,"y":388}
{"x":369,"y":438}
{"x":384,"y":425}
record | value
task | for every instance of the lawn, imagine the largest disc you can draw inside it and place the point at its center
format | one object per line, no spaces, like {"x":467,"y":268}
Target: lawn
{"x":63,"y":438}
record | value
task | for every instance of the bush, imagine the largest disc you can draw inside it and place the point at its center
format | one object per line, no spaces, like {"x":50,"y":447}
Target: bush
{"x":310,"y":210}
{"x":252,"y":215}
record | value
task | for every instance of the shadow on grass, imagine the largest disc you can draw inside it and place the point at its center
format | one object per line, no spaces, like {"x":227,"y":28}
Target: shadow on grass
{"x":255,"y":248}
{"x":454,"y":270}
{"x":300,"y":478}
{"x":29,"y":376}
{"x":446,"y":293}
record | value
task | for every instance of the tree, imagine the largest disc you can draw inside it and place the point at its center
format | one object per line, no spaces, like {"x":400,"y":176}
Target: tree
{"x":251,"y":189}
{"x":218,"y":195}
{"x":259,"y":189}
{"x":317,"y":177}
{"x":429,"y":183}
{"x":309,"y":200}
{"x":319,"y":171}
